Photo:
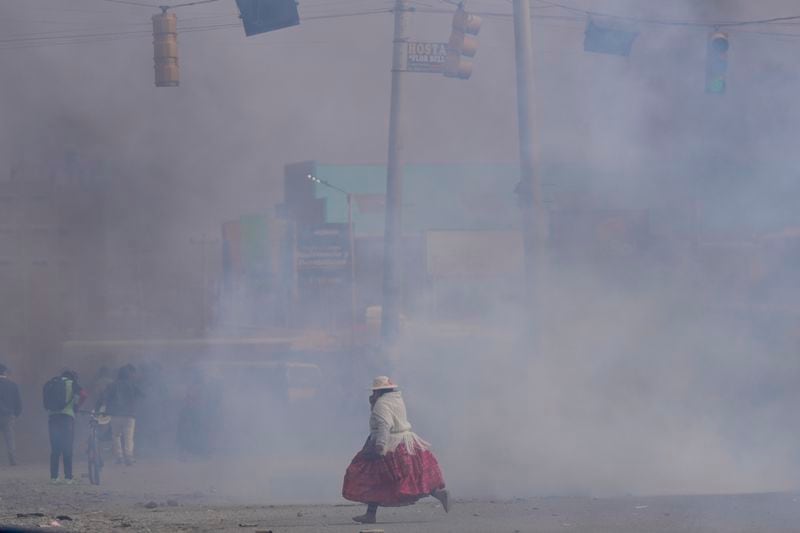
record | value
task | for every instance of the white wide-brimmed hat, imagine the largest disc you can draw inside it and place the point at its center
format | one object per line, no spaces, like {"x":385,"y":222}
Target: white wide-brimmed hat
{"x":383,"y":382}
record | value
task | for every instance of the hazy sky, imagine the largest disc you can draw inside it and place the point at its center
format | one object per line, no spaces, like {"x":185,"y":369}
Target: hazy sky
{"x":319,"y":91}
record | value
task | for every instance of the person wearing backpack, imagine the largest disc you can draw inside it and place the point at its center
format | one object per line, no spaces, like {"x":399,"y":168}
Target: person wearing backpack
{"x":62,"y":397}
{"x":10,"y":409}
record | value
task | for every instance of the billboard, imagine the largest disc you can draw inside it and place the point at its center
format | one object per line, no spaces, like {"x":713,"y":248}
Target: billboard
{"x":474,"y":254}
{"x":322,"y":258}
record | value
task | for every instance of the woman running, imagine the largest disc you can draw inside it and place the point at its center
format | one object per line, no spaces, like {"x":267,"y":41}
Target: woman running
{"x":395,"y":467}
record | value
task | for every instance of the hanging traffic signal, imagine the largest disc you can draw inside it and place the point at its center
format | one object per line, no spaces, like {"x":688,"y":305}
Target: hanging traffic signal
{"x":261,"y":16}
{"x":717,"y":62}
{"x":165,"y":49}
{"x":462,"y":44}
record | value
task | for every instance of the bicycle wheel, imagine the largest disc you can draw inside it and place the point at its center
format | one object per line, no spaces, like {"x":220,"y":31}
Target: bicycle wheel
{"x":94,"y":460}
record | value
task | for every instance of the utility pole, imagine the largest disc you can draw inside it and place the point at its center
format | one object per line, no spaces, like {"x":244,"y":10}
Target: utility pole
{"x":534,"y":216}
{"x":352,"y":244}
{"x":393,"y":231}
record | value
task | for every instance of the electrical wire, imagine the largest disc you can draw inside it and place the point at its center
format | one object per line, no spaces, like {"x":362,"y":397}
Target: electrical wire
{"x":496,"y":14}
{"x":199,"y":2}
{"x":418,"y":3}
{"x":187,"y":4}
{"x":666,"y":22}
{"x":132,"y":3}
{"x":580,"y":16}
{"x":552,"y":4}
{"x":577,"y":15}
{"x":343,"y":15}
{"x":162,"y":6}
{"x":60,"y":39}
{"x":79,"y":36}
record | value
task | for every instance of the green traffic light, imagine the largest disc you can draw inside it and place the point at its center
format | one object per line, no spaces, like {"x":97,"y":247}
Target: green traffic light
{"x":716,"y":86}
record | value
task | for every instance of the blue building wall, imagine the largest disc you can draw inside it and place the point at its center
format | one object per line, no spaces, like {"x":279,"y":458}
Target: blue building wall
{"x":456,"y":197}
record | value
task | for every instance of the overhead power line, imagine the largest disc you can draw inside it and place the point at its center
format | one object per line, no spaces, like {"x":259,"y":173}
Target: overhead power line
{"x":132,"y":3}
{"x":545,"y":3}
{"x":668,"y":22}
{"x":187,"y":4}
{"x":58,"y":38}
{"x":579,"y":15}
{"x":159,"y":6}
{"x":65,"y":38}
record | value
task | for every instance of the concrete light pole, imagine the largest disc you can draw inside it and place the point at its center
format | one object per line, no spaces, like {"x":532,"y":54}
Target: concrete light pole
{"x":393,"y":231}
{"x":534,"y":216}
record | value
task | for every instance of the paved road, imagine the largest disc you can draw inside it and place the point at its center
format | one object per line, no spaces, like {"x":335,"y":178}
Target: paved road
{"x":121,"y":505}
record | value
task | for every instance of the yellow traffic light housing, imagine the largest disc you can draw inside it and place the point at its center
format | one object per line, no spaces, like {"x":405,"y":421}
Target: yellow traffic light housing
{"x":165,"y":49}
{"x":462,"y":44}
{"x":457,"y":67}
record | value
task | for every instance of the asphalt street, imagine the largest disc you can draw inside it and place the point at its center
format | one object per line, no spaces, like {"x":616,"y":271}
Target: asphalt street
{"x":143,"y":498}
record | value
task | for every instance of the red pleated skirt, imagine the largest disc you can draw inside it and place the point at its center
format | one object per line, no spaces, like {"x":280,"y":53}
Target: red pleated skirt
{"x":395,"y":479}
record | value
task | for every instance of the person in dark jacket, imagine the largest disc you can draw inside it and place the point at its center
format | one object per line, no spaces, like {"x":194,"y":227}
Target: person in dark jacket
{"x":61,"y":426}
{"x":10,"y":409}
{"x":121,"y":398}
{"x":97,"y":386}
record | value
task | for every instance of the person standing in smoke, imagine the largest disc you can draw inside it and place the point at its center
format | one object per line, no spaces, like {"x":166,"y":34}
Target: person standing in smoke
{"x":10,"y":409}
{"x":395,"y":467}
{"x":151,"y":411}
{"x":62,"y":397}
{"x":120,"y":399}
{"x":199,"y":418}
{"x":97,"y":386}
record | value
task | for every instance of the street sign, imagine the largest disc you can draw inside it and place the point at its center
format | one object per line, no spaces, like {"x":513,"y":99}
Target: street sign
{"x":323,"y":257}
{"x":426,"y":57}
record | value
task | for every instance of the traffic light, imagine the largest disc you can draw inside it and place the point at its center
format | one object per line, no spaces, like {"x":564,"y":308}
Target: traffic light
{"x":462,"y":44}
{"x":165,"y":49}
{"x":717,"y":62}
{"x":261,"y":16}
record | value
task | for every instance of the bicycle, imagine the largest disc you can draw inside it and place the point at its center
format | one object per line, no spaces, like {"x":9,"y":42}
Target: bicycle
{"x":94,"y":456}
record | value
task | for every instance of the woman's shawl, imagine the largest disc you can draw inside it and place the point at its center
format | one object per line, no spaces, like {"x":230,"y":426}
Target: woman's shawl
{"x":389,"y":425}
